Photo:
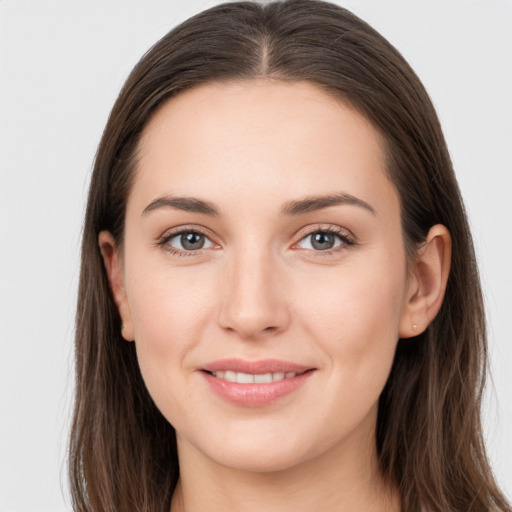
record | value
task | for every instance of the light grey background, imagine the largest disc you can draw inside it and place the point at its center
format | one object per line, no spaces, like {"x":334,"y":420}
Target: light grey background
{"x":61,"y":67}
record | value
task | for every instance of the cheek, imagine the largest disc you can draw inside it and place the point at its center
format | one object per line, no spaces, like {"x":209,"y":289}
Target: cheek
{"x":354,"y":320}
{"x":354,"y":314}
{"x":168,"y":305}
{"x":169,"y":311}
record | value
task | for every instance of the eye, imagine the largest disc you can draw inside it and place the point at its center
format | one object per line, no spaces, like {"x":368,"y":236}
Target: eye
{"x":186,"y":241}
{"x":325,"y":240}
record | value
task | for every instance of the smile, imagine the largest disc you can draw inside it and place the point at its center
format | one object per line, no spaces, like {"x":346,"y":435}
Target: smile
{"x":250,"y":378}
{"x":255,"y":383}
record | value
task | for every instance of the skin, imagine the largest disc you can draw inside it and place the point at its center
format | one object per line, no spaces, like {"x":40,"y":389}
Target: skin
{"x":259,"y":289}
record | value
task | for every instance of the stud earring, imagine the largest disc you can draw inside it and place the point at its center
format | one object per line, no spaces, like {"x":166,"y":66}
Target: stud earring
{"x":414,"y":328}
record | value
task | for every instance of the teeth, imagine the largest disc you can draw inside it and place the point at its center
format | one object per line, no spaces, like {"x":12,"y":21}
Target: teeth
{"x":244,"y":378}
{"x":249,"y":378}
{"x":230,"y":376}
{"x":263,"y":378}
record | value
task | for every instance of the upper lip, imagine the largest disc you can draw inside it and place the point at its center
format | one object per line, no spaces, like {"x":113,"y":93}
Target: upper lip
{"x":255,"y":367}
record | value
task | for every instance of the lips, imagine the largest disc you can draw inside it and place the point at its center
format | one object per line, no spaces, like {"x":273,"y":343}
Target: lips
{"x":255,"y":383}
{"x":255,"y":367}
{"x":250,"y":378}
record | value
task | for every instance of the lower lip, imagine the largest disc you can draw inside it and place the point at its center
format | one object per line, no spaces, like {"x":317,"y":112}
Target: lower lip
{"x":255,"y":395}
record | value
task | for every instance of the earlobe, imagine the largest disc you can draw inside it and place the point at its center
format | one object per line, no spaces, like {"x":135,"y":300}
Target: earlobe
{"x":112,"y":261}
{"x":427,"y":285}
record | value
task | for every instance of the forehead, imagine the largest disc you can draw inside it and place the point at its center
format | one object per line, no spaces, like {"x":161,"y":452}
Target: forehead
{"x":260,"y":137}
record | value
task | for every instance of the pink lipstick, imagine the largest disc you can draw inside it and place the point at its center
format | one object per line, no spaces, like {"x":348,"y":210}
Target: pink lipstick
{"x":255,"y":383}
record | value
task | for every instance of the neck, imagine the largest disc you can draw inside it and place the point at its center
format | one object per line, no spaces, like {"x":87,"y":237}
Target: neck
{"x":345,"y":478}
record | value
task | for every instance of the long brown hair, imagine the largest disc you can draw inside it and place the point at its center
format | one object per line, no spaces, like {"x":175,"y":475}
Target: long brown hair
{"x":429,"y":440}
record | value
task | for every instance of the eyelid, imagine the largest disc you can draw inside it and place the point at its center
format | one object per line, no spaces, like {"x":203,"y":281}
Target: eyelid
{"x":347,"y":238}
{"x":327,"y":228}
{"x":163,"y":240}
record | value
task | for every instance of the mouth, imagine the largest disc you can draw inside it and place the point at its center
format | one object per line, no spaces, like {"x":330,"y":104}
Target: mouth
{"x":255,"y":383}
{"x":253,"y":378}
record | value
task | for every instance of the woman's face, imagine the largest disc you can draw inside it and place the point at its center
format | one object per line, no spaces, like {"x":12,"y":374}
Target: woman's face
{"x":263,"y":245}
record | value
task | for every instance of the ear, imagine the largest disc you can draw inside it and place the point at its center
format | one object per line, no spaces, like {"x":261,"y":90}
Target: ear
{"x":112,"y":261}
{"x":427,"y":282}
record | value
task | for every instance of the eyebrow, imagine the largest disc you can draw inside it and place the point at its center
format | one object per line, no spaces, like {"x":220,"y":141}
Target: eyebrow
{"x":315,"y":203}
{"x":188,"y":204}
{"x":290,"y":208}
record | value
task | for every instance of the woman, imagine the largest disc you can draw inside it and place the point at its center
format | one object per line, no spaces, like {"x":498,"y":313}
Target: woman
{"x":279,"y":305}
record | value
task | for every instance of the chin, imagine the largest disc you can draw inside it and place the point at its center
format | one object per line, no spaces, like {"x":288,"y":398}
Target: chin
{"x":258,"y":461}
{"x":260,"y":453}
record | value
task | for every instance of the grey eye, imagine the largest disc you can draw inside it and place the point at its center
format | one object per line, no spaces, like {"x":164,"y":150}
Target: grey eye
{"x":192,"y":241}
{"x":189,"y":241}
{"x":322,"y":241}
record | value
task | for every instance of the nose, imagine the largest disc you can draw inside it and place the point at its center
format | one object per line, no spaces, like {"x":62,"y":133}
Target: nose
{"x":254,"y":303}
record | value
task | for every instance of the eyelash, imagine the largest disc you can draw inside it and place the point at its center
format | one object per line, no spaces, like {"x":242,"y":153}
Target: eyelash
{"x":167,"y":237}
{"x":346,"y":241}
